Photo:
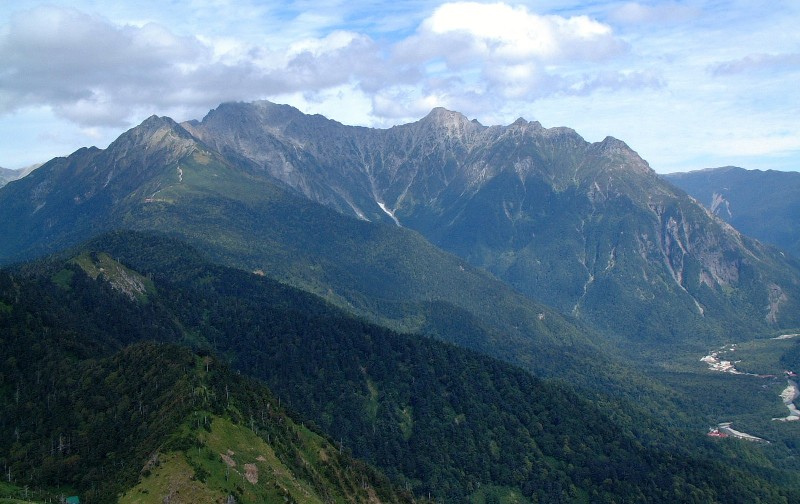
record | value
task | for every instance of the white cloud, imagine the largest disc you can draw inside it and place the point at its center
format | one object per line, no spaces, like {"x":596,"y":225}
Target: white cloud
{"x":515,"y":34}
{"x":96,"y":73}
{"x":335,"y":41}
{"x":80,"y":64}
{"x":745,"y":144}
{"x":404,"y":104}
{"x":460,"y":32}
{"x":758,"y":63}
{"x":633,"y":13}
{"x":504,"y":51}
{"x":616,"y":81}
{"x":346,"y":104}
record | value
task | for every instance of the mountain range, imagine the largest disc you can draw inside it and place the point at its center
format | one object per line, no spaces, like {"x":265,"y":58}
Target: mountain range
{"x":320,"y":258}
{"x":564,"y":221}
{"x":8,"y":175}
{"x":568,"y":223}
{"x":761,"y":204}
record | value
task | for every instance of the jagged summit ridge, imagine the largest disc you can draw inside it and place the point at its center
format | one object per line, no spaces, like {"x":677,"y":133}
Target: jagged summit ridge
{"x":561,"y":219}
{"x":494,"y":194}
{"x":382,"y":167}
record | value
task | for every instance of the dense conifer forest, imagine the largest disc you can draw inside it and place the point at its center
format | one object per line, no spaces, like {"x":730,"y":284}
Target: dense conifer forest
{"x":85,"y":403}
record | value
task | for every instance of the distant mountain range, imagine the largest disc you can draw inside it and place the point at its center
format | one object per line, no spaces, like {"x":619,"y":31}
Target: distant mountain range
{"x":589,"y":229}
{"x":761,"y":204}
{"x":7,"y":175}
{"x":320,"y":258}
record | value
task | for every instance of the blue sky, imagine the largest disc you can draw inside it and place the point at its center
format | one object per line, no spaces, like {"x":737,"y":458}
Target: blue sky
{"x":687,"y":84}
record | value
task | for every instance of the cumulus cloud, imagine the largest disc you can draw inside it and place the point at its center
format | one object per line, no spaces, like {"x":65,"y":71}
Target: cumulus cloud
{"x":514,"y":34}
{"x":504,"y":50}
{"x":75,"y":61}
{"x":93,"y":72}
{"x":469,"y":55}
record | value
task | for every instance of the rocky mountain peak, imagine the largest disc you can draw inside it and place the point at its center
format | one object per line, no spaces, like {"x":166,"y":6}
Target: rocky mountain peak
{"x":441,"y":115}
{"x":151,"y":132}
{"x":274,"y":115}
{"x":613,"y":145}
{"x":252,"y":127}
{"x":155,"y":132}
{"x":452,"y":123}
{"x":622,"y":157}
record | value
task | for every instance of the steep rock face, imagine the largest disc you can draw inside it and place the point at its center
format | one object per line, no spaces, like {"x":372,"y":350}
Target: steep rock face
{"x":762,"y":204}
{"x":587,"y":227}
{"x":279,"y":141}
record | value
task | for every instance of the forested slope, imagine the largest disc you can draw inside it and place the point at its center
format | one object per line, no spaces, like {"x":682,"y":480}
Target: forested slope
{"x":435,"y":417}
{"x":86,"y":409}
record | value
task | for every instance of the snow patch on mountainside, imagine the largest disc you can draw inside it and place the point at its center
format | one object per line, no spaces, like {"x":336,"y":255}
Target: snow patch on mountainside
{"x":718,"y":202}
{"x":389,"y":213}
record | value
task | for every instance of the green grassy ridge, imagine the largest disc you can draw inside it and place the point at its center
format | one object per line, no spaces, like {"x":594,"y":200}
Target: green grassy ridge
{"x":248,"y":448}
{"x":118,"y":412}
{"x":230,"y":459}
{"x":122,"y":279}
